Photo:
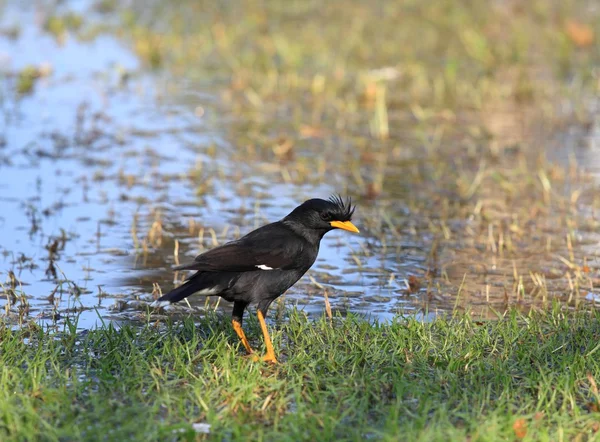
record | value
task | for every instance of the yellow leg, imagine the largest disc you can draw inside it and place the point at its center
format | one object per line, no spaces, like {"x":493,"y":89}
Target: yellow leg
{"x":240,"y":332}
{"x":270,"y":356}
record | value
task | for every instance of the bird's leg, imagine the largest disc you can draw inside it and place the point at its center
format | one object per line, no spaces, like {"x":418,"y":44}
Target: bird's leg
{"x":236,"y":320}
{"x":237,"y":326}
{"x":270,"y":356}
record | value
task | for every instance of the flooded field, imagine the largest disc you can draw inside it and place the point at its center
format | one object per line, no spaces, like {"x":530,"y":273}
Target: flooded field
{"x":132,"y":138}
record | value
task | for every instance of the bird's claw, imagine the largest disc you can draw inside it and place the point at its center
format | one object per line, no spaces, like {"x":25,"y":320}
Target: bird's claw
{"x":266,"y":358}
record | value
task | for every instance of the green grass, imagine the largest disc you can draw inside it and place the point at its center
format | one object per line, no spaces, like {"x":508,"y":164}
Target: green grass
{"x":452,"y":379}
{"x":441,"y":134}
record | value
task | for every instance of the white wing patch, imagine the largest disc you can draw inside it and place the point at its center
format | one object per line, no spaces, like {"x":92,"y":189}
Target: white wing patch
{"x":264,"y":267}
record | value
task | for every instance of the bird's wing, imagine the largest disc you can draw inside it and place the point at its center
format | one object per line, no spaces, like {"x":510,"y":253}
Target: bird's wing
{"x":270,"y":247}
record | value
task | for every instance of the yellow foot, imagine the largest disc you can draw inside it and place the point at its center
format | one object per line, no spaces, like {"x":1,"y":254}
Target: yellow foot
{"x":266,"y":358}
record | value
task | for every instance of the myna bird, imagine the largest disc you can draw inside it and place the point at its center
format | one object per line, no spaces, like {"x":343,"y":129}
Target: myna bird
{"x":261,"y":266}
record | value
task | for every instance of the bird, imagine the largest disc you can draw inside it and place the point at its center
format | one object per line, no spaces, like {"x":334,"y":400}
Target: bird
{"x":260,"y":266}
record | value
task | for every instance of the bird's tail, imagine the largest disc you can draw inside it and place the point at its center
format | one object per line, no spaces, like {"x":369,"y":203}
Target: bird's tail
{"x":178,"y":293}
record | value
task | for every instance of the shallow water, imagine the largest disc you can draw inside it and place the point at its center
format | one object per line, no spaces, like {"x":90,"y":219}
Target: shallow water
{"x":105,"y":166}
{"x":85,"y":154}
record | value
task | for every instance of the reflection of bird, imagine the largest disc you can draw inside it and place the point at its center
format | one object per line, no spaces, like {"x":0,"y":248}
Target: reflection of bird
{"x":260,"y":266}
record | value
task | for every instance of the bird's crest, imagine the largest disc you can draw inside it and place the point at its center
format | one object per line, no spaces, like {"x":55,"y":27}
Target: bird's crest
{"x":344,"y":209}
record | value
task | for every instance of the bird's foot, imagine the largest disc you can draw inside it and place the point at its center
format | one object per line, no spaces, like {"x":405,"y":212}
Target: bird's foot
{"x":266,"y":358}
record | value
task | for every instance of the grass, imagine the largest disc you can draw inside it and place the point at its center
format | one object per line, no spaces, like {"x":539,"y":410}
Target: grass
{"x":436,"y":116}
{"x":530,"y":377}
{"x":441,"y":54}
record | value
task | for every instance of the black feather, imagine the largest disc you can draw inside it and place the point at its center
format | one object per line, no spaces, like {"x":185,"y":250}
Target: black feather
{"x":343,"y":210}
{"x":186,"y":289}
{"x":263,"y":264}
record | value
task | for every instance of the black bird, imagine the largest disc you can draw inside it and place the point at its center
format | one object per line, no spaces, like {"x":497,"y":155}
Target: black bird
{"x":261,"y":266}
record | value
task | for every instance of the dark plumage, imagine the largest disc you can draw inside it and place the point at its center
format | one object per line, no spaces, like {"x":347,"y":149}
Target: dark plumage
{"x":261,"y":266}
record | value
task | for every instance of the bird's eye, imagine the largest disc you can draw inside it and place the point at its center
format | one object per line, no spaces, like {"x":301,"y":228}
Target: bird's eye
{"x":325,"y":216}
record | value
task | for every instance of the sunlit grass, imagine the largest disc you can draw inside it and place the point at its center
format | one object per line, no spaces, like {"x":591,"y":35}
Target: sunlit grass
{"x":532,"y":376}
{"x":441,"y":54}
{"x":427,"y":113}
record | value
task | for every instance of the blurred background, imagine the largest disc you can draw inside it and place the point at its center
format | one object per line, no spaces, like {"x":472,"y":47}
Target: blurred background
{"x":136,"y":134}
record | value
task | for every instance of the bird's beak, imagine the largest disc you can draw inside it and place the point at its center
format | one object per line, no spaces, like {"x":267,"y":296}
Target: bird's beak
{"x":344,"y":225}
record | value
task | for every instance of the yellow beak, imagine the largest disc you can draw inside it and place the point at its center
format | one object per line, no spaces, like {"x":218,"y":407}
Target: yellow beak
{"x":344,"y":225}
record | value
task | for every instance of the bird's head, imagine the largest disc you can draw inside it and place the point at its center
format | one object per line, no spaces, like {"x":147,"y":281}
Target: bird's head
{"x":324,"y":215}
